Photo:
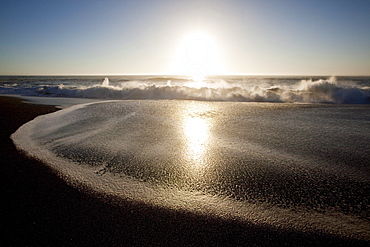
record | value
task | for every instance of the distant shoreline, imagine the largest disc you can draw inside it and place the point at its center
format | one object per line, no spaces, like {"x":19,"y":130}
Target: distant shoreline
{"x":57,"y":102}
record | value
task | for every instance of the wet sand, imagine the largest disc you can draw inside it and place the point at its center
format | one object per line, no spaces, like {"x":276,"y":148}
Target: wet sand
{"x":40,"y":209}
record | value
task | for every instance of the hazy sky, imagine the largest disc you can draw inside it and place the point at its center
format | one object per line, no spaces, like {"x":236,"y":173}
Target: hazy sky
{"x":285,"y":37}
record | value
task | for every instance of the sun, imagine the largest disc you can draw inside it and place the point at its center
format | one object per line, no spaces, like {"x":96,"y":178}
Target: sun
{"x":197,"y":52}
{"x":197,"y":55}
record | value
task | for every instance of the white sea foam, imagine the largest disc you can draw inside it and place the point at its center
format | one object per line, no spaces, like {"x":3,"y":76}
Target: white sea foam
{"x":107,"y":145}
{"x":251,"y":90}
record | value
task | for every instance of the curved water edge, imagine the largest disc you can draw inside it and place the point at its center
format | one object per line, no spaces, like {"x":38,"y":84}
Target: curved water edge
{"x":216,"y":158}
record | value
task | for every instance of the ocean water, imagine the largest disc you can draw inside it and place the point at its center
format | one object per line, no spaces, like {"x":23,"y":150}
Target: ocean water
{"x":291,"y":153}
{"x":339,"y":90}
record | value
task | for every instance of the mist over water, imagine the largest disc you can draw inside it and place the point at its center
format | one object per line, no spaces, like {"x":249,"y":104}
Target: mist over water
{"x":290,"y":166}
{"x":341,"y":90}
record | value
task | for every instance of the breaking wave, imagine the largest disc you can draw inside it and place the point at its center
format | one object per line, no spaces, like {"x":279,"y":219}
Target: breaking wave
{"x":303,"y":91}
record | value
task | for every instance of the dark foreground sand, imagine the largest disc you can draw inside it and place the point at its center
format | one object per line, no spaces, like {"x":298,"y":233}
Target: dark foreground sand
{"x":40,"y":209}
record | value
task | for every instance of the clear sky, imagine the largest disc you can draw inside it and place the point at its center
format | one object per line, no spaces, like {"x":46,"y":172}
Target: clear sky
{"x":257,"y":37}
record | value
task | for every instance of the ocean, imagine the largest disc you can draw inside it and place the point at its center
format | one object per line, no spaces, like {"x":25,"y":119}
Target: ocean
{"x":338,"y":90}
{"x":288,"y":152}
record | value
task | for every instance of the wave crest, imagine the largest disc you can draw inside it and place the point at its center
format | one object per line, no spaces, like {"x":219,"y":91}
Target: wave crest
{"x":305,"y":91}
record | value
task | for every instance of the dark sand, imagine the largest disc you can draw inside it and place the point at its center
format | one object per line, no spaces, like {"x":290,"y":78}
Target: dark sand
{"x":40,"y":209}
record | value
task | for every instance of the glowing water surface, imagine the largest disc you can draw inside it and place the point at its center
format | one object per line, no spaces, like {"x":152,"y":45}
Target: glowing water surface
{"x":286,"y":165}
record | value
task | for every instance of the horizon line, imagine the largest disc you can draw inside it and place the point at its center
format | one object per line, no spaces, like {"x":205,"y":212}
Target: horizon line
{"x":157,"y":74}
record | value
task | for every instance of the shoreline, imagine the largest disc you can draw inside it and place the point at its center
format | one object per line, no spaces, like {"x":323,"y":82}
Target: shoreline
{"x":40,"y":209}
{"x":57,"y":102}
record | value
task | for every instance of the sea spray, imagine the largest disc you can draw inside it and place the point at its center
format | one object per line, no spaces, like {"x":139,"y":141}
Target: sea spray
{"x":251,"y":89}
{"x":105,"y":82}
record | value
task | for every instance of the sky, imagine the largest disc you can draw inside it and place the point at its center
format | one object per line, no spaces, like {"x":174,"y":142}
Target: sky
{"x":250,"y":37}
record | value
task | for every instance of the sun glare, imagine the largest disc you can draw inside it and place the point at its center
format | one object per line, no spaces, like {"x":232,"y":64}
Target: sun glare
{"x":197,"y":133}
{"x":197,"y":56}
{"x":197,"y":52}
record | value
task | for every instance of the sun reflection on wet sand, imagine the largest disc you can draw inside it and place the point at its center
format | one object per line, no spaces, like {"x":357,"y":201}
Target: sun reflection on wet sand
{"x":197,"y":133}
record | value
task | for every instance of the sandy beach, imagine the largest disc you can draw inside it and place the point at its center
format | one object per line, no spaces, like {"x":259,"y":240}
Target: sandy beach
{"x":40,"y":209}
